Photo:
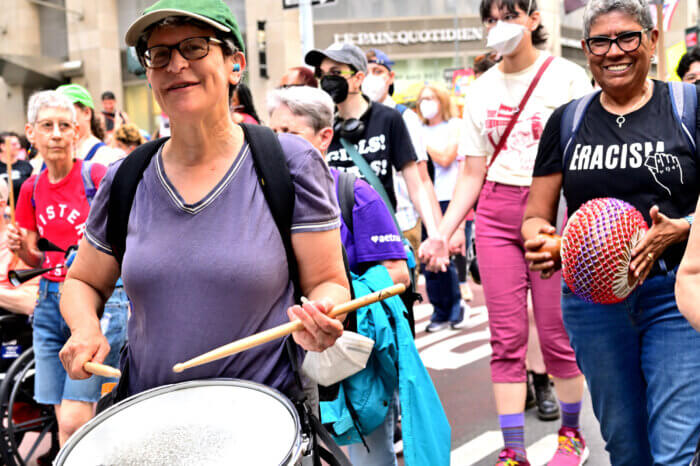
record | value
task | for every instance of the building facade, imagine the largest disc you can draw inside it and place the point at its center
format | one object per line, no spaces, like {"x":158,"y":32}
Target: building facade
{"x":44,"y":43}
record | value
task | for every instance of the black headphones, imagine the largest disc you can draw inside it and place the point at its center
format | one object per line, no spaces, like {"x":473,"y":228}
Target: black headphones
{"x":352,"y":128}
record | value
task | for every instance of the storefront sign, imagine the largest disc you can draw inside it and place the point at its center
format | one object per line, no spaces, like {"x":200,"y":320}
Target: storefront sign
{"x":411,"y":37}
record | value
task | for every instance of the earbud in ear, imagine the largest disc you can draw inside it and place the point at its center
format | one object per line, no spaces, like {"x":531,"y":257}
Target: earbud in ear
{"x":236,"y":67}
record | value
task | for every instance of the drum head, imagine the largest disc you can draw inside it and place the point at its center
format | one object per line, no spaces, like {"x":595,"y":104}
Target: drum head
{"x":212,"y":422}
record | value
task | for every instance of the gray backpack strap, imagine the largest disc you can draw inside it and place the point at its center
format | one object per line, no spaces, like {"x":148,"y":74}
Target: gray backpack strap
{"x":85,"y":174}
{"x":571,"y":122}
{"x":684,"y":100}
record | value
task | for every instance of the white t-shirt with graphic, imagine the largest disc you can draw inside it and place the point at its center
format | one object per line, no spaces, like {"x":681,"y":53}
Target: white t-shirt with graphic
{"x":439,"y":136}
{"x":492,"y":100}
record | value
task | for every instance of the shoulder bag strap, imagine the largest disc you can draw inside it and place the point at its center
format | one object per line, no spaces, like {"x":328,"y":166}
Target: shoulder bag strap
{"x":515,"y":116}
{"x":371,"y":178}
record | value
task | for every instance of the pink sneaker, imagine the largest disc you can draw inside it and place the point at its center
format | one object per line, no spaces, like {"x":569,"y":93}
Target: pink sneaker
{"x":572,"y":450}
{"x":509,"y":458}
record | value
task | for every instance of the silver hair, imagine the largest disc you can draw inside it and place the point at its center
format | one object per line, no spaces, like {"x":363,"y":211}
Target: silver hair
{"x":48,"y":99}
{"x":310,"y":102}
{"x":637,"y":9}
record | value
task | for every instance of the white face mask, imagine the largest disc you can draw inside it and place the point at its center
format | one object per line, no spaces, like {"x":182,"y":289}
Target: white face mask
{"x":505,"y":37}
{"x":375,"y":87}
{"x":428,"y":108}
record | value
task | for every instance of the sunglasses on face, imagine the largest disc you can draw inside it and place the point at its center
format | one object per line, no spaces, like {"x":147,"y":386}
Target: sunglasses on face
{"x":193,"y":48}
{"x":627,"y":42}
{"x":342,"y":73}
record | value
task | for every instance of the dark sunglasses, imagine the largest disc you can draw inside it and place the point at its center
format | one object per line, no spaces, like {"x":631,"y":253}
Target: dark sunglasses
{"x":193,"y":48}
{"x":627,"y":42}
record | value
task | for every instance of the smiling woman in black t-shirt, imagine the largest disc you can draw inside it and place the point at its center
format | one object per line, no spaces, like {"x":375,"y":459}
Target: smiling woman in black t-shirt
{"x":639,"y":356}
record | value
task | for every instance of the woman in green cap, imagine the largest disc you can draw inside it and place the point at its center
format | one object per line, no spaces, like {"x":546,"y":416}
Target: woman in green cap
{"x":91,"y":134}
{"x":204,"y":262}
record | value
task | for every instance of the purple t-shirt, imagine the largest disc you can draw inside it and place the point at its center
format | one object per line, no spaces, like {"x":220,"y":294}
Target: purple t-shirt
{"x":205,"y":274}
{"x":375,"y":237}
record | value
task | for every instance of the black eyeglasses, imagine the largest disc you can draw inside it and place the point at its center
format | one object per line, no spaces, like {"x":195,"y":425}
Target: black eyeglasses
{"x":627,"y":42}
{"x":193,"y":48}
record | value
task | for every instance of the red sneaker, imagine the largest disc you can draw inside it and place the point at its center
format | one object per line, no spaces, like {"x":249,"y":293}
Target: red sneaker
{"x":572,"y":450}
{"x":509,"y":458}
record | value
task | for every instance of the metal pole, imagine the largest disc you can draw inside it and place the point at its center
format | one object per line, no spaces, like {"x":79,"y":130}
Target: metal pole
{"x":306,"y":26}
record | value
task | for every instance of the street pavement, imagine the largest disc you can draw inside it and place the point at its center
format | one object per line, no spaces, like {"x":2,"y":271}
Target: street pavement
{"x":458,"y":362}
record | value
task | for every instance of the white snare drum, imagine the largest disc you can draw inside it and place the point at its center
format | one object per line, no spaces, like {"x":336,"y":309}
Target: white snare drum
{"x":207,"y":422}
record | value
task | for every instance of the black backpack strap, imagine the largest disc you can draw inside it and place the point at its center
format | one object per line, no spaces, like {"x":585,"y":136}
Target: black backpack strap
{"x":122,"y":193}
{"x":346,"y":197}
{"x":277,"y":185}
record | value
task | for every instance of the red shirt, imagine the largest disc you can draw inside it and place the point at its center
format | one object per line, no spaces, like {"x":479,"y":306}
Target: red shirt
{"x":60,"y":213}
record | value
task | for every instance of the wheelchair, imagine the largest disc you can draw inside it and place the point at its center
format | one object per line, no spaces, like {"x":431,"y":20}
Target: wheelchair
{"x":19,"y":413}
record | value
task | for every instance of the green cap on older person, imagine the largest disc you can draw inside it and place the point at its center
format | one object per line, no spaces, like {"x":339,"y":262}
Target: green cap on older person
{"x":212,"y":12}
{"x":77,"y":94}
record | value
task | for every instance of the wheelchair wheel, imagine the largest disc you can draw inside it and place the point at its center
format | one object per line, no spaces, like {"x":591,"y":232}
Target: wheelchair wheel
{"x":22,"y":415}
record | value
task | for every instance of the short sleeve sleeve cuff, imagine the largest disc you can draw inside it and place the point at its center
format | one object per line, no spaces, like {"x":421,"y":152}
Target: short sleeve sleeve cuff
{"x":315,"y":204}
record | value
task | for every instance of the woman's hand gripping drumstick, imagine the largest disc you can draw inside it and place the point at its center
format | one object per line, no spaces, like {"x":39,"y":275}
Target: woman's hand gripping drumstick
{"x":83,"y":353}
{"x":101,"y":369}
{"x":285,"y":329}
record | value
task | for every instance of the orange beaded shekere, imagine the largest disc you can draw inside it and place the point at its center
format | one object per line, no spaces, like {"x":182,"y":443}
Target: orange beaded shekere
{"x":597,"y":247}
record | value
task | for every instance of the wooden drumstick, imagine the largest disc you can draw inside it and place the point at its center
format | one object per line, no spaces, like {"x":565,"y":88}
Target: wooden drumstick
{"x":101,"y":369}
{"x":285,"y":329}
{"x":10,"y":185}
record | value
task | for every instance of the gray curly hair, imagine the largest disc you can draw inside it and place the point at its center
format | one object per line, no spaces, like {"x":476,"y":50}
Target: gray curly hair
{"x":637,"y":9}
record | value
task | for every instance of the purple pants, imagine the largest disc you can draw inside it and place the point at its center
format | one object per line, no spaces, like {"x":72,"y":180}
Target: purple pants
{"x":506,"y":279}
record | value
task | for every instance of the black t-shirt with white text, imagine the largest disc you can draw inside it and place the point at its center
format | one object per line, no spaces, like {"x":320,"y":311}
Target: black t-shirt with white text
{"x":385,"y":143}
{"x":21,"y":170}
{"x":646,"y":161}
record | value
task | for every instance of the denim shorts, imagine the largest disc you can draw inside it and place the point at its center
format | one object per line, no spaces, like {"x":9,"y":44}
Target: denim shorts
{"x":51,"y":382}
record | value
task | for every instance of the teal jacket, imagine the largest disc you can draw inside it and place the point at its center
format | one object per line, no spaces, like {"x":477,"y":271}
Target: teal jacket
{"x":394,"y":361}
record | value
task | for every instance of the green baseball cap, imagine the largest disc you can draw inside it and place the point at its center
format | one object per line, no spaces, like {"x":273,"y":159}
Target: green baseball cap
{"x":212,"y":12}
{"x":77,"y":94}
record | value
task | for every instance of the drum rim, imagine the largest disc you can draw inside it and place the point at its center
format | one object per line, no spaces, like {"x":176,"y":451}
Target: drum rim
{"x":292,"y":456}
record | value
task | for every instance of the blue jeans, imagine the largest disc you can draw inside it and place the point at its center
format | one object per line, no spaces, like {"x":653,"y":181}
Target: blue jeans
{"x":641,"y":359}
{"x":380,"y":443}
{"x":51,"y":382}
{"x":443,"y":291}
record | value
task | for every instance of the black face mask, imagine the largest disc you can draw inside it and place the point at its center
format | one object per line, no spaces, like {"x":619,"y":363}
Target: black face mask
{"x":336,"y":87}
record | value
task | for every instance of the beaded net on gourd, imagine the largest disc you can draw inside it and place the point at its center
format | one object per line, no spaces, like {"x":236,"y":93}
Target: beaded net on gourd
{"x":596,"y":249}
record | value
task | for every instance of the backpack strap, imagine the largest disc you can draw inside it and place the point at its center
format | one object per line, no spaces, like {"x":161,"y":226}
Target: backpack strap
{"x":88,"y":183}
{"x":277,"y":186}
{"x":346,"y":197}
{"x":684,"y":100}
{"x":571,"y":122}
{"x":36,"y":182}
{"x":93,"y":150}
{"x":122,"y":193}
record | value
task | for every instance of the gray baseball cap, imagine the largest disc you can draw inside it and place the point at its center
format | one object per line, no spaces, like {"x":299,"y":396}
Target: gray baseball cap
{"x":342,"y":52}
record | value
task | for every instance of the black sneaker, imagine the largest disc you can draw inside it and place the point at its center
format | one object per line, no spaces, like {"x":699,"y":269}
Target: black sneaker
{"x":547,"y":404}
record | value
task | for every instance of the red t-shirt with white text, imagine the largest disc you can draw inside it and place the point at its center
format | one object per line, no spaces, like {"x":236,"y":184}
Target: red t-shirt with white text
{"x":60,"y":213}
